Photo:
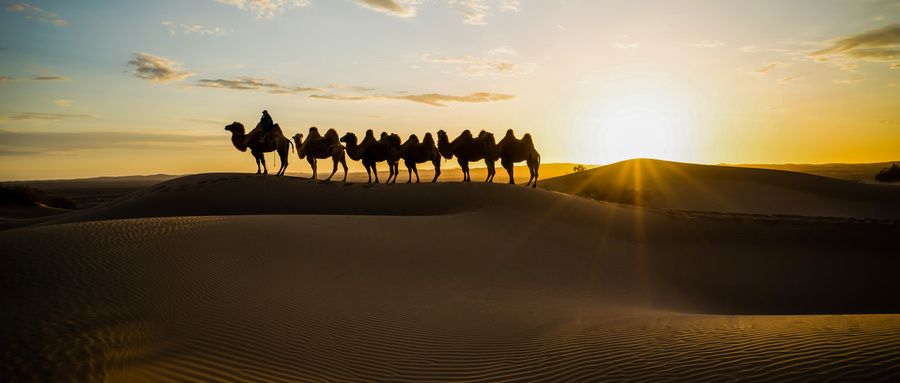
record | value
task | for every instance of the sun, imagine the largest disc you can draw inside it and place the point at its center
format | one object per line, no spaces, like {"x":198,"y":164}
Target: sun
{"x":638,"y":123}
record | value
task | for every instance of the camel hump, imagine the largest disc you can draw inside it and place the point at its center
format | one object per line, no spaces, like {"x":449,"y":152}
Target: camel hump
{"x":428,"y":138}
{"x":331,"y":133}
{"x":527,"y":139}
{"x":394,"y":138}
{"x":413,"y":138}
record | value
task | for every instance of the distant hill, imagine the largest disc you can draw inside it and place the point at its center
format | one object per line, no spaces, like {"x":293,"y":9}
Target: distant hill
{"x":849,"y":172}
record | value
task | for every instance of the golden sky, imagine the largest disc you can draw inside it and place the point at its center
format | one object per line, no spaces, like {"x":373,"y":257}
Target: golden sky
{"x":138,"y":87}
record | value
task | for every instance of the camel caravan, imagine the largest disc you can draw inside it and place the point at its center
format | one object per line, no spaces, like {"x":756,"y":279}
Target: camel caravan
{"x":268,"y":137}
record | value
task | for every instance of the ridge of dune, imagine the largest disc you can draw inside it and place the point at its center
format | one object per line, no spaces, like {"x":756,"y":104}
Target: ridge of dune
{"x":715,"y":188}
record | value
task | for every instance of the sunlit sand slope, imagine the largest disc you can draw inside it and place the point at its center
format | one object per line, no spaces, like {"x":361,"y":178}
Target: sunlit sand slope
{"x":674,"y":185}
{"x":440,"y":282}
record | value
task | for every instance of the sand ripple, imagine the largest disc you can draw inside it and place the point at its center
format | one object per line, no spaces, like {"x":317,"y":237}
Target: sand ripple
{"x":288,"y":298}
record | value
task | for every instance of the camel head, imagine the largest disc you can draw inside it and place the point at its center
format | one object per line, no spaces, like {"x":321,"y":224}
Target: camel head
{"x":298,"y":138}
{"x":349,"y":139}
{"x":444,"y":146}
{"x":235,"y":127}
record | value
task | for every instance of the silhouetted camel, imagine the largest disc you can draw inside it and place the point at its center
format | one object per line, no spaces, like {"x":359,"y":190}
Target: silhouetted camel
{"x":413,"y":152}
{"x":513,"y":150}
{"x":391,"y":144}
{"x":369,"y":151}
{"x":276,"y":142}
{"x":319,"y":146}
{"x":466,"y":149}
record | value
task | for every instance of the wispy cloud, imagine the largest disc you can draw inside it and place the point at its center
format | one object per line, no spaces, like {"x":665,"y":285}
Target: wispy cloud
{"x":156,"y":68}
{"x":34,"y":13}
{"x":266,"y":9}
{"x":64,"y":103}
{"x":250,"y":83}
{"x":495,"y":64}
{"x":33,"y":78}
{"x":41,"y":116}
{"x":192,"y":29}
{"x":436,"y":99}
{"x":18,"y":143}
{"x":399,"y":8}
{"x":790,"y":79}
{"x":708,"y":44}
{"x":433,"y":99}
{"x":878,"y":45}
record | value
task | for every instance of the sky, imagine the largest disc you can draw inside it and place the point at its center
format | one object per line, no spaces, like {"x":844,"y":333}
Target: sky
{"x":93,"y":88}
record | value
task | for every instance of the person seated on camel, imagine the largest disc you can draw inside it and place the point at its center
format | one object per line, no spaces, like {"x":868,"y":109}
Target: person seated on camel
{"x":266,"y":123}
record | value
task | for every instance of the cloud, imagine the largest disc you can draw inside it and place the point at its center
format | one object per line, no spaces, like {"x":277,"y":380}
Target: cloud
{"x":156,"y":69}
{"x":34,"y":13}
{"x":790,"y":79}
{"x":440,"y":100}
{"x":846,"y":81}
{"x":475,"y":12}
{"x":482,"y":66}
{"x":64,"y":103}
{"x":708,"y":44}
{"x":766,"y":69}
{"x":192,"y":29}
{"x":33,"y":78}
{"x":494,"y":65}
{"x":433,"y":99}
{"x":40,"y":116}
{"x":343,"y":98}
{"x":18,"y":143}
{"x":250,"y":83}
{"x":879,"y":45}
{"x":266,"y":9}
{"x":399,"y":8}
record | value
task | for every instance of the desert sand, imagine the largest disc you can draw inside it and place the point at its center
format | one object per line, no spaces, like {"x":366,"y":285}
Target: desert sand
{"x":237,"y":277}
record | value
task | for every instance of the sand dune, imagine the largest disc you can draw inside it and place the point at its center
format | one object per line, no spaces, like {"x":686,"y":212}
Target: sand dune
{"x":230,"y":277}
{"x":682,"y":186}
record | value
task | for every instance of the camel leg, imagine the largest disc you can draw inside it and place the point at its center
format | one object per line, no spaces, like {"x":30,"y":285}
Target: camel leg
{"x":255,"y":157}
{"x":375,"y":170}
{"x":464,"y":165}
{"x":344,"y":164}
{"x":490,"y":171}
{"x":437,"y":169}
{"x":536,"y":165}
{"x":508,"y":165}
{"x":262,"y":158}
{"x":334,"y":162}
{"x":408,"y":170}
{"x":312,"y":165}
{"x":283,"y":153}
{"x":416,"y":170}
{"x":368,"y":172}
{"x":396,"y":171}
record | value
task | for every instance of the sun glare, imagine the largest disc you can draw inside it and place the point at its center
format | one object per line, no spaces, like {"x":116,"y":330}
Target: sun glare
{"x":654,"y":123}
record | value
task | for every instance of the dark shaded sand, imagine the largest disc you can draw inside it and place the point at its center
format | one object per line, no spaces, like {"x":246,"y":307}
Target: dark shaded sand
{"x":231,"y":277}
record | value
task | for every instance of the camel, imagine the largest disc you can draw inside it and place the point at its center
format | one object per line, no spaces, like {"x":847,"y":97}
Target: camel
{"x":369,"y":151}
{"x":318,"y":146}
{"x":413,"y":152}
{"x":276,"y":142}
{"x":467,"y":149}
{"x":391,"y":145}
{"x":513,"y":150}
